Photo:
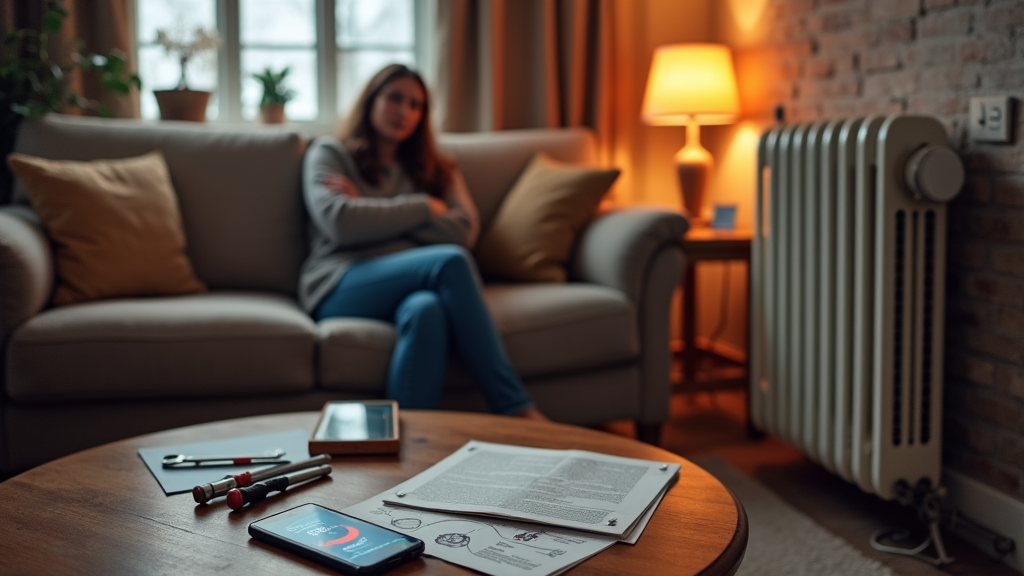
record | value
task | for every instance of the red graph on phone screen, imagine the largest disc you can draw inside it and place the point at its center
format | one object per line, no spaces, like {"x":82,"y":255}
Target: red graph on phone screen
{"x":348,"y":537}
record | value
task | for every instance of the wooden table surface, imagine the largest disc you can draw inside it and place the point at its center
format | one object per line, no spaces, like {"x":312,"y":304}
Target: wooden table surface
{"x":101,"y":512}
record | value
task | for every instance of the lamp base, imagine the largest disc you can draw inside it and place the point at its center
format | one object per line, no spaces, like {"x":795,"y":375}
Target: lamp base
{"x":694,"y":165}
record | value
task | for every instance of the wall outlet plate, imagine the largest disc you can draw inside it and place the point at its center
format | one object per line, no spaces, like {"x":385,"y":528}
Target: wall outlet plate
{"x":991,"y":119}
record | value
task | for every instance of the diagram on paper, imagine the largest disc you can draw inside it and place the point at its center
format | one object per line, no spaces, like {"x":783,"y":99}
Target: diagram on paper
{"x":490,"y":545}
{"x":458,"y":531}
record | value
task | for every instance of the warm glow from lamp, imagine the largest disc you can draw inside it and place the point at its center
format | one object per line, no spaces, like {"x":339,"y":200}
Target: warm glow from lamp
{"x":747,"y":13}
{"x":690,"y":85}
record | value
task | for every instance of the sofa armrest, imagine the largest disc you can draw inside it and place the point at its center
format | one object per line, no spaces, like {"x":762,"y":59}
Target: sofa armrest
{"x":617,"y":248}
{"x":26,"y":268}
{"x":639,"y":251}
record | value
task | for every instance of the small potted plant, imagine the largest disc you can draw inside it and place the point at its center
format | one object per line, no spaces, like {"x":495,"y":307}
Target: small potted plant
{"x":181,"y":103}
{"x":275,"y":95}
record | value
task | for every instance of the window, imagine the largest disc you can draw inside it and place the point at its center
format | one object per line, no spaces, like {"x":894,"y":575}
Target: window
{"x":332,"y":47}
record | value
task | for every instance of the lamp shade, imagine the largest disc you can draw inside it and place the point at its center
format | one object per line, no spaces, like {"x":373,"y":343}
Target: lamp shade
{"x":691,"y":82}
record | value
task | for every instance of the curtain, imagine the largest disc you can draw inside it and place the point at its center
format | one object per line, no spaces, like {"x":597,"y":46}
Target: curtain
{"x":505,"y":64}
{"x":101,"y":25}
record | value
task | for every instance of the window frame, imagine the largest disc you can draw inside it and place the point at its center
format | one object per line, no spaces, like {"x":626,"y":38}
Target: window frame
{"x":229,"y":60}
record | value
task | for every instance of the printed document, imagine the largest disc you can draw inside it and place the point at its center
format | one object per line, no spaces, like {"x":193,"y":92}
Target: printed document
{"x":566,"y":488}
{"x":489,"y":545}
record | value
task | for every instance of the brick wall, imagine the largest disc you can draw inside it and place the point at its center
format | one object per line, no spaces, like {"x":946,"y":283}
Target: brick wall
{"x":837,"y":58}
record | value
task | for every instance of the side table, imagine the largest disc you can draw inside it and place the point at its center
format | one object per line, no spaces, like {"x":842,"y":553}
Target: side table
{"x":708,"y":245}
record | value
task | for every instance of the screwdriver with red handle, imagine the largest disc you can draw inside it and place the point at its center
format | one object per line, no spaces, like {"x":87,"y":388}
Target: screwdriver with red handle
{"x":239,"y":497}
{"x":208,"y":492}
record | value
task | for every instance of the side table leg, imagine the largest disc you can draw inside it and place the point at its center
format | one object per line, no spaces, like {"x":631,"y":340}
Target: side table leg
{"x":649,"y":433}
{"x":690,"y":323}
{"x":752,"y":431}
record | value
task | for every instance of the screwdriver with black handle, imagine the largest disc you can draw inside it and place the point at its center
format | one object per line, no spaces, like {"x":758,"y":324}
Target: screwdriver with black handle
{"x":239,"y":497}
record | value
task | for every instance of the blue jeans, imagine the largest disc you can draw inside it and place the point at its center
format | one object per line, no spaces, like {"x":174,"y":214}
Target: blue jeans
{"x":430,"y":293}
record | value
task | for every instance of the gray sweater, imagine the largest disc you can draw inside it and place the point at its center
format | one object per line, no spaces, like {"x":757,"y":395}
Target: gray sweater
{"x":389,"y":217}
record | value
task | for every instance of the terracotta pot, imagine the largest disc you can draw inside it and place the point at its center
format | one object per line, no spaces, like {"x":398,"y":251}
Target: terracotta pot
{"x":182,"y":104}
{"x":272,"y":114}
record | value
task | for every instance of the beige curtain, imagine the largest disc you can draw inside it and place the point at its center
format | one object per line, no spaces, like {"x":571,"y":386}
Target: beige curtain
{"x":505,"y":64}
{"x":101,"y":25}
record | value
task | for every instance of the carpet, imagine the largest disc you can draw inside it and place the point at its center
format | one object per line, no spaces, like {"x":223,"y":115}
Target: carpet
{"x":784,"y":541}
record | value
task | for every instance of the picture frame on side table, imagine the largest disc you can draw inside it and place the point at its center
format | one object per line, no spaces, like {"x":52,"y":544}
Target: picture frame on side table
{"x":724,"y":217}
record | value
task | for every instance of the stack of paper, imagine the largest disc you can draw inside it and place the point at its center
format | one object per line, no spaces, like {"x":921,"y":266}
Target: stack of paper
{"x":473,"y":507}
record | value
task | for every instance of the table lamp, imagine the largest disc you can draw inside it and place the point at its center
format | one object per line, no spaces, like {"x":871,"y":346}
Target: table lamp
{"x":690,"y":85}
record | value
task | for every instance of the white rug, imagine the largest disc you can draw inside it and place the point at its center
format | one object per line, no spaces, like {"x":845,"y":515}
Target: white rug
{"x":783,"y":541}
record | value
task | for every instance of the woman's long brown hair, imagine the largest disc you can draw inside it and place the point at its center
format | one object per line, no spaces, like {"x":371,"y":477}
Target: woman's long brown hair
{"x":418,"y":155}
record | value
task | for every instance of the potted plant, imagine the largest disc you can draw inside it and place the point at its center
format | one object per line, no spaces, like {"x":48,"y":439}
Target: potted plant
{"x":32,"y":83}
{"x":275,"y":95}
{"x":181,"y":103}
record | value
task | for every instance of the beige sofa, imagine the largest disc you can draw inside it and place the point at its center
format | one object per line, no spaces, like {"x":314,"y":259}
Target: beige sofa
{"x":591,"y":350}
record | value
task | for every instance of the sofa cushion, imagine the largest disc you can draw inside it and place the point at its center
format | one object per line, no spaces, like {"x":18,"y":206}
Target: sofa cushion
{"x":217,"y":344}
{"x":239,"y":191}
{"x":533,"y":233}
{"x":114,"y":224}
{"x":355,"y":353}
{"x":557,"y":328}
{"x":492,"y":161}
{"x":547,"y":329}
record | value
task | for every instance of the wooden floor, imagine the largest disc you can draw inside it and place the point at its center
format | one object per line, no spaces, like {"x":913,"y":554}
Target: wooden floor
{"x":713,"y":424}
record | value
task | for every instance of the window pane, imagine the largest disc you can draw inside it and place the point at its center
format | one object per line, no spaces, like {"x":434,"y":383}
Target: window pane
{"x":177,"y":17}
{"x":302,"y":79}
{"x":355,"y":69}
{"x":378,"y":23}
{"x":159,"y":71}
{"x":277,"y":22}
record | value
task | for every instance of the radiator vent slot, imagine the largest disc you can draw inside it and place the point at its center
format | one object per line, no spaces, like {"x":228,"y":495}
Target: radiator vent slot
{"x":899,"y":297}
{"x":928,"y":330}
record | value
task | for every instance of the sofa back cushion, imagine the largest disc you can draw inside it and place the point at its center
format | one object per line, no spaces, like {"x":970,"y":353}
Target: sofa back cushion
{"x":239,"y":190}
{"x":492,"y":161}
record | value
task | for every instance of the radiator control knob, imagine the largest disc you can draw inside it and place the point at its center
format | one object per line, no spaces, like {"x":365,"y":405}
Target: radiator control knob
{"x":934,"y":173}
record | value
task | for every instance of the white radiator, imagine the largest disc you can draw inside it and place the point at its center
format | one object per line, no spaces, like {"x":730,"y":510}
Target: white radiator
{"x":848,"y":292}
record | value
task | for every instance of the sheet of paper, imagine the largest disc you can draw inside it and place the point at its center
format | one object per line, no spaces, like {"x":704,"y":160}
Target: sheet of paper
{"x":634,"y":534}
{"x":489,"y":545}
{"x":567,"y":488}
{"x":295,"y":443}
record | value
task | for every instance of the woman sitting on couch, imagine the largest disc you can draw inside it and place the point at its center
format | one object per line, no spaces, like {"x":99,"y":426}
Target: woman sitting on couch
{"x":392,"y":221}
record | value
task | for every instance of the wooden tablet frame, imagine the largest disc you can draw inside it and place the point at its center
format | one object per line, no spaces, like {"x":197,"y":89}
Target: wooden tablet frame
{"x":366,"y":446}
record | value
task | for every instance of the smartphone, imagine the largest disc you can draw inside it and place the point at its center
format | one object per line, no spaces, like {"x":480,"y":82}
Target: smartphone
{"x":337,"y":540}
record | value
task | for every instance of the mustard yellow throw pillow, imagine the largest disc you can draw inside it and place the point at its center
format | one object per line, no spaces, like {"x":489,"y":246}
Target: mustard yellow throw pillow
{"x":533,"y":233}
{"x":114,"y":224}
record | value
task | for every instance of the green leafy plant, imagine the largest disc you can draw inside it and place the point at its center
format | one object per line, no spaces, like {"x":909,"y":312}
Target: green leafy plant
{"x":274,"y":91}
{"x":32,"y":83}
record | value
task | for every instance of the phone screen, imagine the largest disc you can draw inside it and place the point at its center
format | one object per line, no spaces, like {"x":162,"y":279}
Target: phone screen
{"x":356,"y":421}
{"x":343,"y":537}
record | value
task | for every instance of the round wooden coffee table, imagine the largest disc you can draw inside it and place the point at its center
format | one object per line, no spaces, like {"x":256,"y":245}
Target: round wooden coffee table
{"x":101,"y":512}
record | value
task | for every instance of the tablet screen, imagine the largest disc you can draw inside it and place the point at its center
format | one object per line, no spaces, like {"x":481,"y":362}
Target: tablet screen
{"x":356,"y":421}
